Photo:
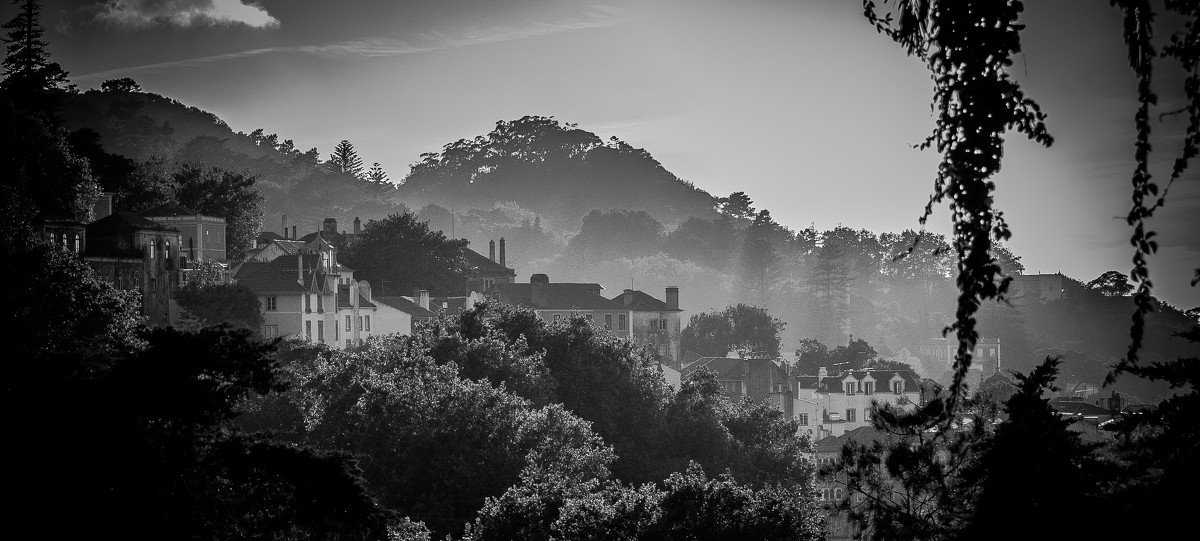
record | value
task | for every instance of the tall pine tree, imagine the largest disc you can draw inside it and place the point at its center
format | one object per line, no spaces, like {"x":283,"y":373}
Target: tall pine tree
{"x":345,"y":160}
{"x":30,"y":78}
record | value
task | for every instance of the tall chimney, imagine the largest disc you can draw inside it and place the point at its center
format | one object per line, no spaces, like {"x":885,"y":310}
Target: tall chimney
{"x":285,"y":226}
{"x":627,"y":297}
{"x":538,"y":296}
{"x":357,"y":225}
{"x":329,"y":225}
{"x":502,"y":251}
{"x":300,"y":268}
{"x":423,"y":298}
{"x":673,"y":297}
{"x":492,"y":250}
{"x":294,"y":233}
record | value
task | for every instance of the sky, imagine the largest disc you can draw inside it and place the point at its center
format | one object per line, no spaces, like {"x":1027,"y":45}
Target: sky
{"x":800,"y":104}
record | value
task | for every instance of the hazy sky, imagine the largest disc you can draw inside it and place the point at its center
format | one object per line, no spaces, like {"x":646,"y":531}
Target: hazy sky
{"x":800,"y":104}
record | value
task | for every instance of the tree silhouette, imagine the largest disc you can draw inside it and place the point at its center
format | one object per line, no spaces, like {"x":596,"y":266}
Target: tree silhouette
{"x":29,"y":75}
{"x":345,"y":160}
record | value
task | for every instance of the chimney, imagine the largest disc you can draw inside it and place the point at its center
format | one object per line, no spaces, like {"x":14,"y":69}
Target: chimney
{"x":103,"y":206}
{"x":627,"y":298}
{"x":821,"y":375}
{"x":357,"y":225}
{"x":492,"y":250}
{"x":294,"y":233}
{"x":538,"y":296}
{"x":285,"y":226}
{"x":673,"y":297}
{"x":502,"y":253}
{"x":423,"y":298}
{"x":329,"y":225}
{"x":300,"y":268}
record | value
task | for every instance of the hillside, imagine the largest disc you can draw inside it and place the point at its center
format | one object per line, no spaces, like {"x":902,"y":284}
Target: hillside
{"x":557,"y":170}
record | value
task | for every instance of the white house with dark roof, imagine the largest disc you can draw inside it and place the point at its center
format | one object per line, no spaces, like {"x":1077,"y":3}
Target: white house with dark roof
{"x":829,"y":404}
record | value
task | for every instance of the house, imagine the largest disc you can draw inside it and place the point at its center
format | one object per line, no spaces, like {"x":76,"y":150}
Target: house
{"x":655,"y":323}
{"x":1027,"y":288}
{"x":634,"y":315}
{"x":133,"y":253}
{"x":202,"y":237}
{"x":940,"y":351}
{"x":401,"y":313}
{"x":485,"y":272}
{"x":830,"y":404}
{"x":760,"y":380}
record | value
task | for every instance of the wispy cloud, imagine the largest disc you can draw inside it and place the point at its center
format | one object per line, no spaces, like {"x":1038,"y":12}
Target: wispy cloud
{"x":386,"y":46}
{"x":182,"y":13}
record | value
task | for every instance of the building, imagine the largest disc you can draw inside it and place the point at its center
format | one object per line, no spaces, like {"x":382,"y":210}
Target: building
{"x":402,"y":313}
{"x":986,"y":358}
{"x":202,"y":237}
{"x":830,"y":404}
{"x":655,"y":323}
{"x":1027,"y":288}
{"x":485,"y":272}
{"x":133,"y":253}
{"x":760,"y":380}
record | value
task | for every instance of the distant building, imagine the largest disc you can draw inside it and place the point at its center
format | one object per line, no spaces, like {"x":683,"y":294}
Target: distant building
{"x":830,"y":404}
{"x":485,"y":272}
{"x":655,"y":323}
{"x":986,"y":357}
{"x":1027,"y":288}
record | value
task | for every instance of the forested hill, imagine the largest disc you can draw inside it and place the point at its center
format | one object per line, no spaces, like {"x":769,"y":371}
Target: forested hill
{"x":144,"y":127}
{"x":557,"y":170}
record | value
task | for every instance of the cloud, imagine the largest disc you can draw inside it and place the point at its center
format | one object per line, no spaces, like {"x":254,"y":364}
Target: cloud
{"x":183,"y":13}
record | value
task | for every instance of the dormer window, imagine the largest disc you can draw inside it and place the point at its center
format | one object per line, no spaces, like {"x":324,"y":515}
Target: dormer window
{"x":849,"y":387}
{"x":898,"y":387}
{"x":868,"y":387}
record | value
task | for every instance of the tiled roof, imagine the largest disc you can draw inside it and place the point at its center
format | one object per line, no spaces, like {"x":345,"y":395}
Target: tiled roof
{"x":865,"y":435}
{"x":169,"y":209}
{"x":833,"y":382}
{"x":268,"y":236}
{"x":279,"y":275}
{"x":643,"y":302}
{"x":479,"y":265}
{"x":559,"y":296}
{"x":726,"y":368}
{"x":404,"y":305}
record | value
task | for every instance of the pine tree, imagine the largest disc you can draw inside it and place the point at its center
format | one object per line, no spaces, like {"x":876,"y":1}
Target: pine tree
{"x":29,"y":75}
{"x":377,"y":174}
{"x":345,"y":160}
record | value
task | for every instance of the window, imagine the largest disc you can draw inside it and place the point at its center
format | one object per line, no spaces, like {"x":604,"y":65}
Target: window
{"x":368,"y":327}
{"x":837,"y":494}
{"x":348,"y":345}
{"x":308,"y":331}
{"x":557,"y":317}
{"x":360,"y":323}
{"x":321,"y":332}
{"x":803,"y":419}
{"x":347,"y":328}
{"x":732,"y":387}
{"x":151,"y":249}
{"x":662,"y":324}
{"x":898,"y":387}
{"x":272,"y":303}
{"x":653,"y":324}
{"x":621,"y":322}
{"x":270,"y":331}
{"x":307,"y":303}
{"x":608,"y":321}
{"x":825,"y":494}
{"x":849,"y":387}
{"x":850,"y":415}
{"x":167,"y":250}
{"x":868,"y":387}
{"x":78,"y":241}
{"x":589,"y":317}
{"x":320,"y":304}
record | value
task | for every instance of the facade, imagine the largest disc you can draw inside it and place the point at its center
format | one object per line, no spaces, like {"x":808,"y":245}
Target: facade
{"x":1027,"y":288}
{"x":202,"y":237}
{"x":133,"y":253}
{"x":760,"y":380}
{"x":830,"y":404}
{"x":401,"y":313}
{"x":986,"y":359}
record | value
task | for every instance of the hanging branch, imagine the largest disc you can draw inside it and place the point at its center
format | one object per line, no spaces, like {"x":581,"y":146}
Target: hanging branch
{"x":1138,"y":32}
{"x":968,"y":46}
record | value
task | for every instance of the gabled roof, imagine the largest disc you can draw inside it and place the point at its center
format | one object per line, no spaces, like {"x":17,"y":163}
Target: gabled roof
{"x":730,"y":368}
{"x":343,"y":299}
{"x":266,"y":237}
{"x":559,"y":296}
{"x":833,"y":382}
{"x":404,"y":305}
{"x":169,"y":209}
{"x":643,"y":302}
{"x":279,"y":275}
{"x":865,"y":435}
{"x":479,"y":265}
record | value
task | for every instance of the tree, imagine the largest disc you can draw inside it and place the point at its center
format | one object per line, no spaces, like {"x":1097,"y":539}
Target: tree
{"x":829,"y":283}
{"x":737,"y":206}
{"x":377,"y":174}
{"x":345,"y":160}
{"x":42,"y":174}
{"x":749,"y":330}
{"x":1111,"y":284}
{"x":759,"y":261}
{"x":215,"y":304}
{"x":401,"y":254}
{"x":29,"y":75}
{"x":124,"y":84}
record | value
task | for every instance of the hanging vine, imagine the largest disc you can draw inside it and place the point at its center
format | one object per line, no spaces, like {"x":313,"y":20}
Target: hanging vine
{"x":1184,"y":47}
{"x":968,"y":46}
